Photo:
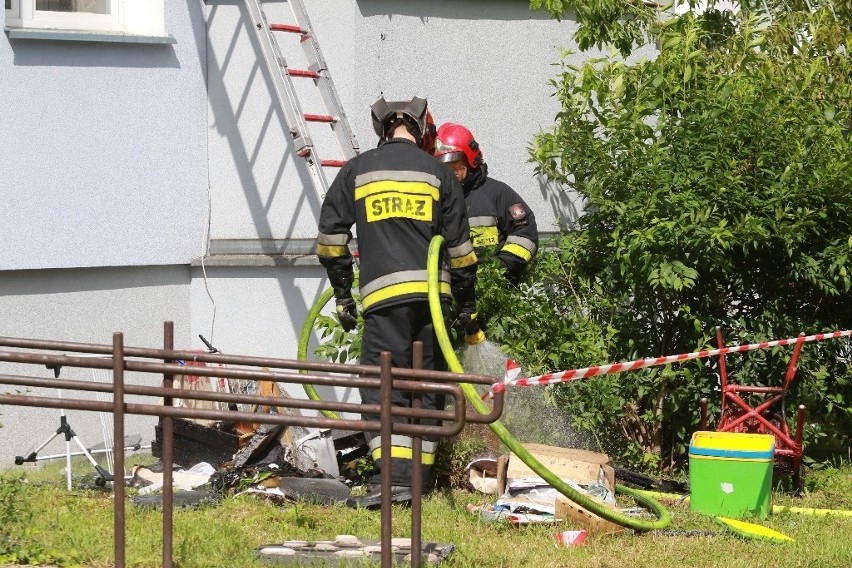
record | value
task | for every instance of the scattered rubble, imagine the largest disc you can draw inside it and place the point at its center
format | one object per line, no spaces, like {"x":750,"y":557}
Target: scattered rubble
{"x":283,"y":464}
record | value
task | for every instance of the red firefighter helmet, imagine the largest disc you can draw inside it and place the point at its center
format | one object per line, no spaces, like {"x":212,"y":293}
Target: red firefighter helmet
{"x":455,"y":142}
{"x":427,"y":141}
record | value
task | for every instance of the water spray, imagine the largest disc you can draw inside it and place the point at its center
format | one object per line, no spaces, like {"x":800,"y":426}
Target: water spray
{"x":480,"y":356}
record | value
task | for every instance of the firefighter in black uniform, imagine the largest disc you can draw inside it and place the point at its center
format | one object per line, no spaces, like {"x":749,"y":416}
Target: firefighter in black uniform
{"x":500,"y":221}
{"x":398,"y":197}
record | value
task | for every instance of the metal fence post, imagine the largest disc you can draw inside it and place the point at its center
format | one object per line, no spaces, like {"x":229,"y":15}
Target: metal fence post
{"x":386,"y":393}
{"x":162,"y":362}
{"x":417,"y":466}
{"x":168,"y":452}
{"x":118,"y":437}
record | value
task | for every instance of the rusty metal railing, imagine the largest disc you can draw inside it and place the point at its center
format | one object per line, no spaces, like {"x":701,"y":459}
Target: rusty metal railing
{"x":162,"y":362}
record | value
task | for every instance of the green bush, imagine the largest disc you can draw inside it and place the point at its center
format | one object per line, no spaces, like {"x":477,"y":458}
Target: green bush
{"x":718,"y":183}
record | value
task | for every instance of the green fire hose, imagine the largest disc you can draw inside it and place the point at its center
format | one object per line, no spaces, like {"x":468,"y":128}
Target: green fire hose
{"x":663,"y":518}
{"x":305,"y":338}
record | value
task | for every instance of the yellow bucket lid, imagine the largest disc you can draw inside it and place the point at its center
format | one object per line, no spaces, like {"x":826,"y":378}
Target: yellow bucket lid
{"x":733,"y":441}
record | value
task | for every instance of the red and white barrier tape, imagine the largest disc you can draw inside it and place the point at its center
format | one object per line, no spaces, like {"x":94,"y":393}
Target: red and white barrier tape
{"x":513,"y":370}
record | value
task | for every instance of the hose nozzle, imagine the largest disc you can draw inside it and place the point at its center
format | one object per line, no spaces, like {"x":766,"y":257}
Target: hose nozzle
{"x":474,"y":338}
{"x":473,"y":334}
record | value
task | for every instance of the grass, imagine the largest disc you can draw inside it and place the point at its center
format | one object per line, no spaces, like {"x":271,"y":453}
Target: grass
{"x":75,"y":528}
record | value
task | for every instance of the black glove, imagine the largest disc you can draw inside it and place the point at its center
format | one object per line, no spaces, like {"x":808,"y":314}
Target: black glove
{"x":341,"y":280}
{"x":468,"y":319}
{"x":513,"y":269}
{"x":514,"y":278}
{"x":347,"y":313}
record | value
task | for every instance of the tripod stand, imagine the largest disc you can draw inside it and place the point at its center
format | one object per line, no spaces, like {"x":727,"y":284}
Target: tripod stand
{"x":66,"y":430}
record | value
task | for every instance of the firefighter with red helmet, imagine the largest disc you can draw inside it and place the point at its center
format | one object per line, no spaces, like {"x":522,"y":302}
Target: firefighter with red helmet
{"x":500,"y":220}
{"x":427,"y":144}
{"x":398,"y":197}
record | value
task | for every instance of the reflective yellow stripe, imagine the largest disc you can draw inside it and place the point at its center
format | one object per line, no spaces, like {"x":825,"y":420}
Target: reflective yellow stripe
{"x":401,"y":277}
{"x":462,"y":261}
{"x":460,"y":249}
{"x":398,"y":175}
{"x":518,"y":250}
{"x":484,"y":236}
{"x":403,"y":442}
{"x":414,"y":187}
{"x":399,"y":290}
{"x":337,"y":239}
{"x":483,"y":221}
{"x":404,"y":454}
{"x":524,"y":242}
{"x":332,"y":251}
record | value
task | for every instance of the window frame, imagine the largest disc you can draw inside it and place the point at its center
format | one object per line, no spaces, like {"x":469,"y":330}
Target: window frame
{"x":128,"y":17}
{"x":14,"y":11}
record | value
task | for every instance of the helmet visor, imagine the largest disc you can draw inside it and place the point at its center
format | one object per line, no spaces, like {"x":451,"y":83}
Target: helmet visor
{"x":448,"y":156}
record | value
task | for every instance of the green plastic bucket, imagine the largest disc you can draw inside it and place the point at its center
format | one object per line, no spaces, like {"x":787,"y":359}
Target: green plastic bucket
{"x":730,"y":474}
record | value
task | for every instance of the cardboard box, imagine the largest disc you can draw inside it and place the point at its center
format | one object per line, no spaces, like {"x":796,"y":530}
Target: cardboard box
{"x":580,"y":466}
{"x":567,"y":510}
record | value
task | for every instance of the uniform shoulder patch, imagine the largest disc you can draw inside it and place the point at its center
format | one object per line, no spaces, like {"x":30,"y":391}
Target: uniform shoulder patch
{"x":517,"y":211}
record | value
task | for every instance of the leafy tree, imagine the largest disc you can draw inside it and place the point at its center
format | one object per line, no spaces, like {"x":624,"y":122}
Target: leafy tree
{"x":718,"y":179}
{"x":626,"y":24}
{"x":621,"y":23}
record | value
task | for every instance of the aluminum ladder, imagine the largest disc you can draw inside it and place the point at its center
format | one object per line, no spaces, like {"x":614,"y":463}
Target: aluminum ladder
{"x":285,"y":92}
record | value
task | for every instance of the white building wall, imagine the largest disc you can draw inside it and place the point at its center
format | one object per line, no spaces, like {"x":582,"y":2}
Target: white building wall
{"x":87,"y":306}
{"x":483,"y":63}
{"x":104,"y":149}
{"x":103,"y":201}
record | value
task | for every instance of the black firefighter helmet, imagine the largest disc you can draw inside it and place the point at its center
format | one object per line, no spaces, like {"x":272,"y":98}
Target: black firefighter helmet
{"x":413,"y":114}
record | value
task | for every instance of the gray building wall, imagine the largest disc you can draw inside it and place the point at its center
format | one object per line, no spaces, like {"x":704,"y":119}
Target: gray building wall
{"x":484,"y":63}
{"x":104,"y":150}
{"x":84,"y":305}
{"x":103,"y":200}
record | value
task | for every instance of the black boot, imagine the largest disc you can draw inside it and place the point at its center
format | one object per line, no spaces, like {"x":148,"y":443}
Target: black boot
{"x":373,"y":498}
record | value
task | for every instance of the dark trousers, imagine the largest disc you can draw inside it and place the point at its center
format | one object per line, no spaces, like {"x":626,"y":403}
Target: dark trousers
{"x":395,"y":329}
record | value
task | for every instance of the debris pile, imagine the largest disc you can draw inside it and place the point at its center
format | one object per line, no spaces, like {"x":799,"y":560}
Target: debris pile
{"x":525,"y":498}
{"x":282,"y":463}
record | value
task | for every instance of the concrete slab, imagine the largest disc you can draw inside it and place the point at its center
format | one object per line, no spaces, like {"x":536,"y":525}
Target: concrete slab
{"x":348,"y":550}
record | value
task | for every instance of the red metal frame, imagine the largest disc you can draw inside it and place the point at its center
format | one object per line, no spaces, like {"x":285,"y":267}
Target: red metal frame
{"x":768,"y":417}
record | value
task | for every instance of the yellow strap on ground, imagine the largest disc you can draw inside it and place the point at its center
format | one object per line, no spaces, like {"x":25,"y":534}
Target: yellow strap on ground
{"x":776,"y":509}
{"x":751,"y":530}
{"x":813,"y":512}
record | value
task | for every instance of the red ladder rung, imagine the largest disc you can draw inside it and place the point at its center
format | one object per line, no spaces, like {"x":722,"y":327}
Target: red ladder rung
{"x":302,"y":73}
{"x":333,"y":163}
{"x":286,"y":28}
{"x":320,"y":118}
